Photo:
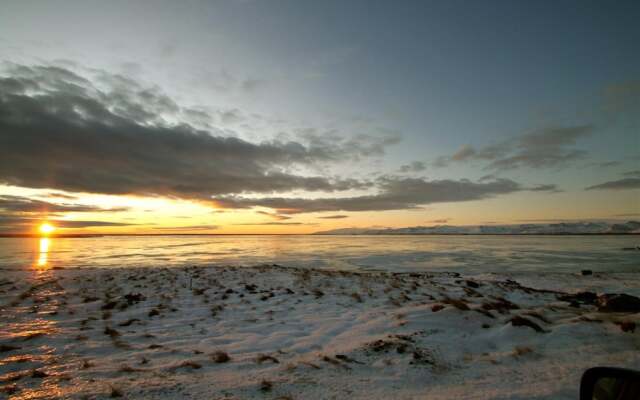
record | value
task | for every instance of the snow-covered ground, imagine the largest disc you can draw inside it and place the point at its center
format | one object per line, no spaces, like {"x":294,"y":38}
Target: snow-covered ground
{"x":271,"y":332}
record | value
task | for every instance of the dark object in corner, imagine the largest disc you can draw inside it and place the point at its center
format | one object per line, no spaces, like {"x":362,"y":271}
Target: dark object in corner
{"x":603,"y":383}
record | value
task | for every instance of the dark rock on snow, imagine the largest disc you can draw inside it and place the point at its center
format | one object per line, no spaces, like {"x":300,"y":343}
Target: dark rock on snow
{"x":613,"y":302}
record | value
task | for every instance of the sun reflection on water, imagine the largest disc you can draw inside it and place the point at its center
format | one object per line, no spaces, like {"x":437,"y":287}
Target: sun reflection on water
{"x":45,"y":243}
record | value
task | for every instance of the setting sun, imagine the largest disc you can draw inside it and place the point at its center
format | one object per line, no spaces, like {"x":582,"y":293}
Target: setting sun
{"x":46,"y":228}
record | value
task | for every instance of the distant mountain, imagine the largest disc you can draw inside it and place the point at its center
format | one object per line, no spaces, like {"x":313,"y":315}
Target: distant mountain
{"x":562,"y":228}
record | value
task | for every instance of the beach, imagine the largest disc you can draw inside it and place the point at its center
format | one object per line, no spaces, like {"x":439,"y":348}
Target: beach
{"x":274,"y":332}
{"x":319,"y":200}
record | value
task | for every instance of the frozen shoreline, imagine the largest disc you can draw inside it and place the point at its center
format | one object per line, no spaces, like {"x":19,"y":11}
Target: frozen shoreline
{"x":305,"y":334}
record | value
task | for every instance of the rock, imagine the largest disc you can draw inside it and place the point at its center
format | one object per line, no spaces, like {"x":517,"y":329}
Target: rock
{"x":6,"y":347}
{"x":613,"y":302}
{"x":266,"y":386}
{"x":459,"y":304}
{"x":501,"y":305}
{"x":472,"y":284}
{"x":579,"y":298}
{"x":220,"y":357}
{"x":437,"y":307}
{"x":345,"y":358}
{"x":38,"y":374}
{"x":111,"y":332}
{"x":521,"y":321}
{"x":627,"y":326}
{"x":586,"y":272}
{"x":109,"y":305}
{"x":133,"y":298}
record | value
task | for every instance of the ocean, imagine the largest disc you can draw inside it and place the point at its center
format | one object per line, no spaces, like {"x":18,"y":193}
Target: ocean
{"x":402,"y":253}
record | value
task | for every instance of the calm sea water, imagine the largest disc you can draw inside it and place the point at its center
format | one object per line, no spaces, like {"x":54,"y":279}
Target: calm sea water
{"x":390,"y":253}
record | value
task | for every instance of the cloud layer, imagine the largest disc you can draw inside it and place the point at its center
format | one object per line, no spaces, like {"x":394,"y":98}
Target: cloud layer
{"x":550,"y":147}
{"x":395,"y":194}
{"x":60,"y":130}
{"x":20,"y":205}
{"x":20,"y":224}
{"x":631,"y":180}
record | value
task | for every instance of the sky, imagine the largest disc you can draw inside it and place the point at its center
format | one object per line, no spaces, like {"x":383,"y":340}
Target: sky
{"x":301,"y":116}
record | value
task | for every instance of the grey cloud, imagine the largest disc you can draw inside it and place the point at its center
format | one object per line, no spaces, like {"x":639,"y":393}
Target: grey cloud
{"x":278,"y":217}
{"x":545,"y":188}
{"x":198,"y":116}
{"x":488,"y":177}
{"x":112,"y":138}
{"x":230,"y":116}
{"x":331,"y":145}
{"x":415,"y":166}
{"x":13,"y":223}
{"x":620,"y":184}
{"x":395,"y":194}
{"x":62,"y":196}
{"x":87,"y":224}
{"x":19,"y":204}
{"x":549,"y":147}
{"x":338,"y":216}
{"x":631,"y":181}
{"x":608,"y":164}
{"x":464,"y":153}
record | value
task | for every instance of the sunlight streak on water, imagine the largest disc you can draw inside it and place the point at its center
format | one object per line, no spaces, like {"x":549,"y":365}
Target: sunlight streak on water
{"x":44,"y":251}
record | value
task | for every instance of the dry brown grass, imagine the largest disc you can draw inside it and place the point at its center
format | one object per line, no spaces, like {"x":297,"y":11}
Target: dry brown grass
{"x":460,"y":304}
{"x":130,"y":369}
{"x":187,"y":364}
{"x":307,"y":363}
{"x":334,"y":361}
{"x":519,"y":351}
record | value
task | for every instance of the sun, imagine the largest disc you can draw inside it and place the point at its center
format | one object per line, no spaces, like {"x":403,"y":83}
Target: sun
{"x":46,"y":228}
